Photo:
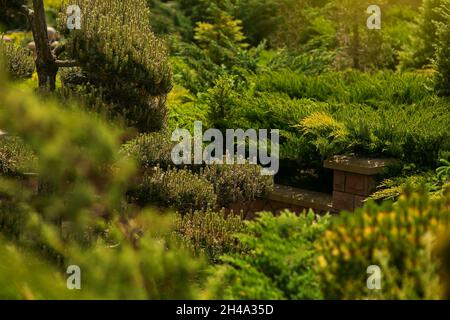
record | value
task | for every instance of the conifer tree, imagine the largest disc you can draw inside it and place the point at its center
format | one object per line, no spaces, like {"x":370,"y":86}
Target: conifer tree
{"x":427,"y":35}
{"x":121,"y":61}
{"x":443,"y":49}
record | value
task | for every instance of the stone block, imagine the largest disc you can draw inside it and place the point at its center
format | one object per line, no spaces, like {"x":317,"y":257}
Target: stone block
{"x":359,"y":201}
{"x":339,"y":181}
{"x":343,"y":201}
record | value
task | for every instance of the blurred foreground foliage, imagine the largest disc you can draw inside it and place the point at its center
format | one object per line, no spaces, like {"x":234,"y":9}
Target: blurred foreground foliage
{"x":75,"y":214}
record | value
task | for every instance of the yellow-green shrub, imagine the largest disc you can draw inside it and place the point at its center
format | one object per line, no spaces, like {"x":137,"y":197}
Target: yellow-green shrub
{"x":399,"y":238}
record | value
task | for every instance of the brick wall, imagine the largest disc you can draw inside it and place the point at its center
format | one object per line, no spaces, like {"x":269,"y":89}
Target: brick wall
{"x":350,"y":190}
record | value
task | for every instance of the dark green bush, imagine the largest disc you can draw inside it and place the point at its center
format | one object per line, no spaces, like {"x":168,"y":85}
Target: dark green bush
{"x":211,"y":233}
{"x":278,"y":261}
{"x":378,"y":115}
{"x":166,"y":18}
{"x":9,"y":18}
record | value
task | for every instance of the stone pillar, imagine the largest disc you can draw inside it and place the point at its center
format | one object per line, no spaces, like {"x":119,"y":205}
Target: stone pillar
{"x":354,"y":180}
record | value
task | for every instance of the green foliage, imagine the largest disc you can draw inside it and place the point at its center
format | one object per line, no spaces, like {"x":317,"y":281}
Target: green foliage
{"x":9,"y":17}
{"x":166,"y":18}
{"x":424,"y":43}
{"x":19,"y":62}
{"x":278,"y":261}
{"x":183,"y":111}
{"x":127,"y":265}
{"x":259,"y":18}
{"x":122,"y":59}
{"x":221,"y":40}
{"x":238,"y":183}
{"x":79,"y":218}
{"x":396,"y":237}
{"x":325,"y":133}
{"x":443,"y":49}
{"x":382,"y":114}
{"x":150,"y":150}
{"x":392,"y":188}
{"x":347,"y":87}
{"x":220,"y":101}
{"x":15,"y":156}
{"x":310,"y":63}
{"x":176,"y":188}
{"x":210,"y":233}
{"x":434,"y":181}
{"x":443,"y":172}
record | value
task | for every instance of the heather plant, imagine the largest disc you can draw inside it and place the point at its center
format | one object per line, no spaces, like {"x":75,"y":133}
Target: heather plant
{"x":150,"y":150}
{"x":15,"y":157}
{"x":399,"y":238}
{"x":210,"y":233}
{"x":179,"y":189}
{"x":238,"y":183}
{"x":278,"y":260}
{"x":19,"y":62}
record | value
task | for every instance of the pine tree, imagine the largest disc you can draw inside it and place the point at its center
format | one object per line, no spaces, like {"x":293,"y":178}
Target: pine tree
{"x":121,"y":61}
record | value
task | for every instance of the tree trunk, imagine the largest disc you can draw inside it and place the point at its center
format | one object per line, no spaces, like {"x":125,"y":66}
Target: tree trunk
{"x":46,"y":66}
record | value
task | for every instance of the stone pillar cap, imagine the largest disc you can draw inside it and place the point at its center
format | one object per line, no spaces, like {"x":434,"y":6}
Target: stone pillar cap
{"x":365,"y":166}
